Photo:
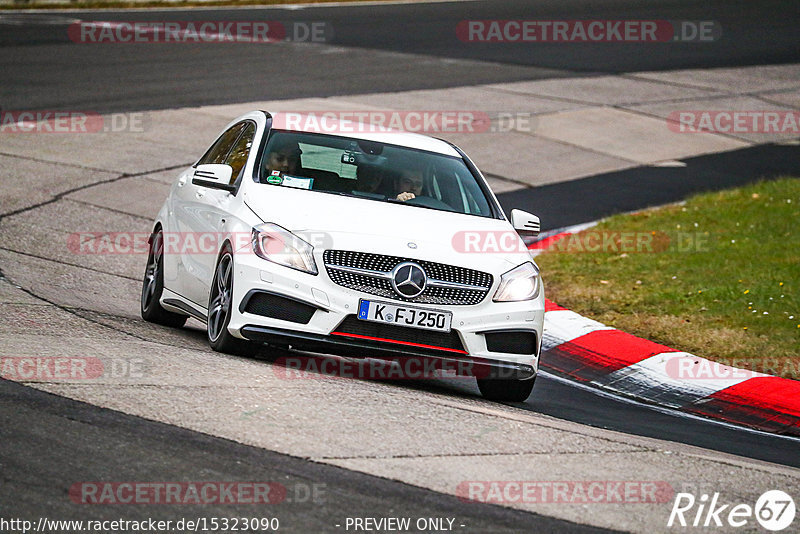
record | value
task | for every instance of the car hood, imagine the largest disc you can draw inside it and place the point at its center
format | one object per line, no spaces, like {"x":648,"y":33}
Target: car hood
{"x":330,"y":221}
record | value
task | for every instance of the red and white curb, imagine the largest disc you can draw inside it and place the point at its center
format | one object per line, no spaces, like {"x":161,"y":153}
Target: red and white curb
{"x":592,"y":353}
{"x":546,"y":240}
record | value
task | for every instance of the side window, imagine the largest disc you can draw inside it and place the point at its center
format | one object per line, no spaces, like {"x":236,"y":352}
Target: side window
{"x":238,"y":156}
{"x":219,"y":150}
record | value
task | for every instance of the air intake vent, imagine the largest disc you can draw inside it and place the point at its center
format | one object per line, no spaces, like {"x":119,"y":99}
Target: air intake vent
{"x":277,"y":307}
{"x":511,"y":342}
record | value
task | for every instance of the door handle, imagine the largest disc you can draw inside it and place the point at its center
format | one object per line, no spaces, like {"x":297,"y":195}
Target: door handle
{"x":199,"y":194}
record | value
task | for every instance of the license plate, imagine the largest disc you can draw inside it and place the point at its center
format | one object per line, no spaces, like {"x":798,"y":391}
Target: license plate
{"x":381,"y":312}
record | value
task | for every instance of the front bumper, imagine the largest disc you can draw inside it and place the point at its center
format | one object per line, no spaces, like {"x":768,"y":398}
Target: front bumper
{"x":330,"y":307}
{"x":463,"y":365}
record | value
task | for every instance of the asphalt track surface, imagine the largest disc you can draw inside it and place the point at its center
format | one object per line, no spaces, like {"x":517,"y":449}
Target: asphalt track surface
{"x":44,"y":70}
{"x":592,"y":198}
{"x":75,"y":441}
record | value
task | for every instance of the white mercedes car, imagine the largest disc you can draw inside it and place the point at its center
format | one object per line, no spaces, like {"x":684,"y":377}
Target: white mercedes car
{"x":380,"y":245}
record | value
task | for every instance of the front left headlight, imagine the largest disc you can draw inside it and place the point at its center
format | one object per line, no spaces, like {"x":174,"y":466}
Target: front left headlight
{"x":278,"y":245}
{"x":520,"y":283}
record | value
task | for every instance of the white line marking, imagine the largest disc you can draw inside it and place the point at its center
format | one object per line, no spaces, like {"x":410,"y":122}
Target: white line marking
{"x":561,"y":326}
{"x":675,"y":378}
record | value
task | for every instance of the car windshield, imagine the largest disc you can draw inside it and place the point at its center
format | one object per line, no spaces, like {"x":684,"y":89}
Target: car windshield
{"x":371,"y":170}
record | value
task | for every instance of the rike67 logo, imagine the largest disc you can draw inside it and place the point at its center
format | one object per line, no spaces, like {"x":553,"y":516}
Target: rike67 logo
{"x":774,"y":510}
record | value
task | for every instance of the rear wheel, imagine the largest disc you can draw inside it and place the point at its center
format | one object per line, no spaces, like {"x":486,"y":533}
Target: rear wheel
{"x":153,"y":286}
{"x":219,"y":309}
{"x":505,"y":389}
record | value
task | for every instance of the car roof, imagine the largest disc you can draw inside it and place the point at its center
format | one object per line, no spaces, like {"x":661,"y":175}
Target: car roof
{"x":306,"y":121}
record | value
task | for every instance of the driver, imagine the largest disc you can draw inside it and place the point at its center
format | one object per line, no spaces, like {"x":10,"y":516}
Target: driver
{"x":284,"y":157}
{"x":409,"y":184}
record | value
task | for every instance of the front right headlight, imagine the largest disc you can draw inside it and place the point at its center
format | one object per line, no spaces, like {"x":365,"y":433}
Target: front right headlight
{"x":276,"y":244}
{"x":520,"y":283}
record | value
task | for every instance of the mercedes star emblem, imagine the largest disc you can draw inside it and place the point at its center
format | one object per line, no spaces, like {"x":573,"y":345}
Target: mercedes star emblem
{"x":409,"y":280}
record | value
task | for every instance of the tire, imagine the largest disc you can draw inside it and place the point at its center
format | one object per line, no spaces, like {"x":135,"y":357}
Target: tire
{"x":220,"y":300}
{"x":153,"y":286}
{"x":506,"y":389}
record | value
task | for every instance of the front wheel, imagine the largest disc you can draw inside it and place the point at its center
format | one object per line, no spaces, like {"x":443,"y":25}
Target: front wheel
{"x":153,"y":286}
{"x":506,"y":389}
{"x":219,"y":310}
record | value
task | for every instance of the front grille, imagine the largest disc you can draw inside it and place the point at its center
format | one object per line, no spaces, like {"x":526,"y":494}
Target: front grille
{"x":375,"y":284}
{"x":511,"y":342}
{"x":277,"y":307}
{"x":355,"y":326}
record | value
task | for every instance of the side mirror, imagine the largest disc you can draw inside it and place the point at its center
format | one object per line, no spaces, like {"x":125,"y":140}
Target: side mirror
{"x":215,"y":176}
{"x":526,"y":224}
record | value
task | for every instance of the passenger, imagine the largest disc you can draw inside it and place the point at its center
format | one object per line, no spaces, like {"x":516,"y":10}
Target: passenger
{"x":409,"y":184}
{"x":284,"y":157}
{"x":369,"y":179}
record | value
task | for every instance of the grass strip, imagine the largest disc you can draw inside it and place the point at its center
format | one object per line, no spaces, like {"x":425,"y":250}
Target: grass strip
{"x":717,"y":276}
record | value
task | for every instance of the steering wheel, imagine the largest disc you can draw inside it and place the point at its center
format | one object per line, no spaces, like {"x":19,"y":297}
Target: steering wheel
{"x":429,"y":202}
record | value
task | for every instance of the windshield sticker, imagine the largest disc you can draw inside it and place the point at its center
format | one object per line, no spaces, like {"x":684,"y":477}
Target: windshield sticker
{"x":297,"y":182}
{"x":275,"y":178}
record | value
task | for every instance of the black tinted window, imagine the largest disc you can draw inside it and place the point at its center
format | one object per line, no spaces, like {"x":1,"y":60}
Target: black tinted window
{"x":219,"y":150}
{"x":372,"y":170}
{"x":238,"y":155}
